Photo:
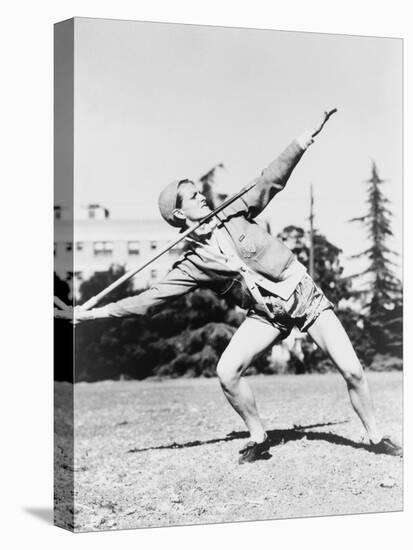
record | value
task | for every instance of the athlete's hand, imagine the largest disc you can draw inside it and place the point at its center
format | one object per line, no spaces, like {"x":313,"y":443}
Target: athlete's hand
{"x":306,"y":139}
{"x":74,"y":315}
{"x":326,"y":116}
{"x":81,"y":315}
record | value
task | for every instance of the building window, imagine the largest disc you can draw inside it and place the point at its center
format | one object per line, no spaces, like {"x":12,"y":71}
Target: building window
{"x":103,"y":248}
{"x":133,"y":248}
{"x":69,"y":247}
{"x":79,"y":246}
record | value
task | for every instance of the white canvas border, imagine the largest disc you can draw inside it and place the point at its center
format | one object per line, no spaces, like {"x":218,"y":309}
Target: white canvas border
{"x":27,"y":266}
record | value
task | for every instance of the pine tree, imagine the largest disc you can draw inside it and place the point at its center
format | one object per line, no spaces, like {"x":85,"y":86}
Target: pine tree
{"x":383,"y":292}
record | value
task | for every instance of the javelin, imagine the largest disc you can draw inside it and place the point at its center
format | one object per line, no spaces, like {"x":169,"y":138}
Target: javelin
{"x":129,"y":274}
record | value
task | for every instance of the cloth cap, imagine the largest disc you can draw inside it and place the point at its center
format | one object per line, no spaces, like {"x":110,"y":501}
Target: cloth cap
{"x":167,"y":202}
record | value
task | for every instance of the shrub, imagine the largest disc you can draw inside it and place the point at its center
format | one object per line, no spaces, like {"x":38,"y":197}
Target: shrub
{"x":386,"y":363}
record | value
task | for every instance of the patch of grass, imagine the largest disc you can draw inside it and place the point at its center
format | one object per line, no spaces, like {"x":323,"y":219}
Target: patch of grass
{"x":185,"y":439}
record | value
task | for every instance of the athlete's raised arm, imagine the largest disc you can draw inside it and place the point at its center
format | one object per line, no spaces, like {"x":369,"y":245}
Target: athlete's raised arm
{"x":274,"y":178}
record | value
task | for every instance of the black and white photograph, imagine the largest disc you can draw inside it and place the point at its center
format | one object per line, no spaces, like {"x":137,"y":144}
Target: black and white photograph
{"x":228,"y":284}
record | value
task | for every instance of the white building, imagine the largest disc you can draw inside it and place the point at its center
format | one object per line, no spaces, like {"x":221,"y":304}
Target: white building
{"x":94,"y":242}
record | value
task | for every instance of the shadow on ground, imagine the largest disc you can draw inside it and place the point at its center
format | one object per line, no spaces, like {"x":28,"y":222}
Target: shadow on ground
{"x":44,"y":514}
{"x":277,"y":437}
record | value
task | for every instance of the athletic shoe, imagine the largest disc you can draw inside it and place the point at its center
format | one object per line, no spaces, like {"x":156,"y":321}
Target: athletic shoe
{"x":387,"y":446}
{"x":253,"y":451}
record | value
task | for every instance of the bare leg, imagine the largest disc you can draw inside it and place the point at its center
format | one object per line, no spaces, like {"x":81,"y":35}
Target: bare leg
{"x":251,"y":339}
{"x":329,"y":334}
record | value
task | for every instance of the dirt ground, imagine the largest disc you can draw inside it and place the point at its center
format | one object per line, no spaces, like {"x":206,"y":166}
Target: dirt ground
{"x":160,"y":453}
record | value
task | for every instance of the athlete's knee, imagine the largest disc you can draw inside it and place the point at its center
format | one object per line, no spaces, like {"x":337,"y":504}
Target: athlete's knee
{"x":354,"y":375}
{"x":229,"y":371}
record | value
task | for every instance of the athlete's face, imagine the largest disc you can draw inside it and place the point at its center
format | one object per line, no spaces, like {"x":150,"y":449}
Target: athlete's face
{"x":193,"y":203}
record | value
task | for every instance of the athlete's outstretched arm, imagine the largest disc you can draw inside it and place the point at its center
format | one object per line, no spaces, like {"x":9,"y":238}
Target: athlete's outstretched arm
{"x":176,"y":283}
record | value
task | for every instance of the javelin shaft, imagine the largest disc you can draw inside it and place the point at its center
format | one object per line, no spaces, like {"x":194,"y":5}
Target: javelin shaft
{"x":128,"y":275}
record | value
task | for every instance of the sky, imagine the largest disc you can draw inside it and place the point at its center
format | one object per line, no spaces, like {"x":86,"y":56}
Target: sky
{"x":155,"y":102}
